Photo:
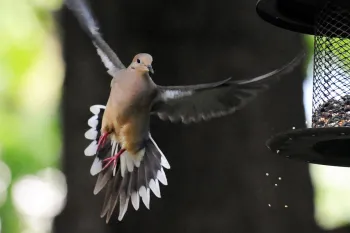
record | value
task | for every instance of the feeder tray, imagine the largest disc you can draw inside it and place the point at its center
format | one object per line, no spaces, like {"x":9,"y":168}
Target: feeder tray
{"x":328,"y":141}
{"x":294,"y":15}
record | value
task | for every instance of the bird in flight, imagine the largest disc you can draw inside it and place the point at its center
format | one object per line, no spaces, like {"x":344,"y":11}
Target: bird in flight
{"x":128,"y":161}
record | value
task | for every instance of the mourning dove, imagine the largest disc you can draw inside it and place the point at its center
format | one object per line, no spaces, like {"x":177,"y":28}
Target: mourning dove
{"x":127,"y":160}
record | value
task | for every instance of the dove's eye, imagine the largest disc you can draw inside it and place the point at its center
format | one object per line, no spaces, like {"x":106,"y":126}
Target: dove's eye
{"x":138,"y":61}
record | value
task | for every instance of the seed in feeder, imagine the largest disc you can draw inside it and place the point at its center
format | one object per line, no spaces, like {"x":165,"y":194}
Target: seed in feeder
{"x":267,"y":174}
{"x":293,"y":128}
{"x":321,"y":123}
{"x":285,"y":206}
{"x":326,"y":115}
{"x":280,"y":178}
{"x":276,"y":185}
{"x":333,"y":113}
{"x":269,"y":205}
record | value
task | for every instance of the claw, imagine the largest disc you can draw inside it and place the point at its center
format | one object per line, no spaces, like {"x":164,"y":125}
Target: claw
{"x":102,"y":141}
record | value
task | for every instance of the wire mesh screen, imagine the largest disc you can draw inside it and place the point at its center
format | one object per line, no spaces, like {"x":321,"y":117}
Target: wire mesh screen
{"x":331,"y":81}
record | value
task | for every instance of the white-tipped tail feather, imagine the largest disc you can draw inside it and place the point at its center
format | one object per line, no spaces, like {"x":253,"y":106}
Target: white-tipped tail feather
{"x":122,"y":164}
{"x":154,"y":186}
{"x":164,"y":161}
{"x":91,"y":134}
{"x":135,"y":200}
{"x":96,"y":109}
{"x":96,"y":167}
{"x":145,"y":196}
{"x":129,"y":161}
{"x":93,"y":121}
{"x":91,"y":149}
{"x":162,"y":177}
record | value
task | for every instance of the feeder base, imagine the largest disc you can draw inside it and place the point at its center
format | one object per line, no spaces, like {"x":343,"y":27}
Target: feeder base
{"x":326,"y":146}
{"x":293,"y":15}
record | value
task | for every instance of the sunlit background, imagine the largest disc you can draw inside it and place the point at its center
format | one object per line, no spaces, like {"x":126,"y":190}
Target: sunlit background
{"x":32,"y":188}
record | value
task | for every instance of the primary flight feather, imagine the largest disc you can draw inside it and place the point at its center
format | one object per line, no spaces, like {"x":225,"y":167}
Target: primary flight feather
{"x":127,"y":161}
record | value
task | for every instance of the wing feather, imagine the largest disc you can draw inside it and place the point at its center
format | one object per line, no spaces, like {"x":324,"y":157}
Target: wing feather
{"x":83,"y":13}
{"x":195,"y":103}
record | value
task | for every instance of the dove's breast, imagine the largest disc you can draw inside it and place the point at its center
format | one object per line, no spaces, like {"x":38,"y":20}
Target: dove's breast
{"x":127,"y":110}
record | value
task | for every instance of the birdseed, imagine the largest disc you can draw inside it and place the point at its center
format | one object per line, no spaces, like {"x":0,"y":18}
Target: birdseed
{"x":333,"y":113}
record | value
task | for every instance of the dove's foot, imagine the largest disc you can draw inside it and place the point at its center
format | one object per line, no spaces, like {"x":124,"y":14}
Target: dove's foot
{"x":102,"y":141}
{"x":113,"y":159}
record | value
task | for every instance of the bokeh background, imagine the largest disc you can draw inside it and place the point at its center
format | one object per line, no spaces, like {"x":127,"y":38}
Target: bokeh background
{"x":223,"y":178}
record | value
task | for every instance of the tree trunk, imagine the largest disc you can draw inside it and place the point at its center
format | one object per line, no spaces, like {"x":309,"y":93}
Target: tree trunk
{"x":218,"y":180}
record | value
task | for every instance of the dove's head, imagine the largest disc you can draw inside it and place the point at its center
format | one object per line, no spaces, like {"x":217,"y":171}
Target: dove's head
{"x":142,"y":62}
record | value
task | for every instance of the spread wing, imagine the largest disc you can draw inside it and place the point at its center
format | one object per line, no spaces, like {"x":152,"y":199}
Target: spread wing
{"x":195,"y":103}
{"x":82,"y":11}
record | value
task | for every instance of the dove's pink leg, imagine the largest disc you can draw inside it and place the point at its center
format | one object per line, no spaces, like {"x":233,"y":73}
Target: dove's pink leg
{"x":113,"y":159}
{"x":102,"y":140}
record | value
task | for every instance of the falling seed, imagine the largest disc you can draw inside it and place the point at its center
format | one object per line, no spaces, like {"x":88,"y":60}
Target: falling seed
{"x":277,"y":151}
{"x":285,"y":206}
{"x":293,"y":128}
{"x":280,"y":178}
{"x":267,"y":174}
{"x":269,"y":205}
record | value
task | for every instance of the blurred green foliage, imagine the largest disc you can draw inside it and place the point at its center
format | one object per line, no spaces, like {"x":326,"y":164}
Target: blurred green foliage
{"x":31,"y":73}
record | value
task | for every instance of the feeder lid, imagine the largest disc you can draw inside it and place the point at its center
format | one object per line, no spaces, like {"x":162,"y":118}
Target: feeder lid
{"x":294,"y":15}
{"x":326,"y":146}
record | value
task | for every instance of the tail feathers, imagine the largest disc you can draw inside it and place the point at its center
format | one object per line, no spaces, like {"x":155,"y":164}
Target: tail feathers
{"x":102,"y":179}
{"x":136,"y":183}
{"x":94,"y":134}
{"x":134,"y":177}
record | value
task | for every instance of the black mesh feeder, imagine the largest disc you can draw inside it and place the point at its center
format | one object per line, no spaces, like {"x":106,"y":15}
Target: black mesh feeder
{"x":328,"y":141}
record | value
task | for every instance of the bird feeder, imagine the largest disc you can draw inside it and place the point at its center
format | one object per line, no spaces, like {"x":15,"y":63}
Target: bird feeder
{"x":327,"y":142}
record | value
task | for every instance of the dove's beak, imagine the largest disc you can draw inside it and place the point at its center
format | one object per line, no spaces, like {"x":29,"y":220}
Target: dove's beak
{"x":150,"y":69}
